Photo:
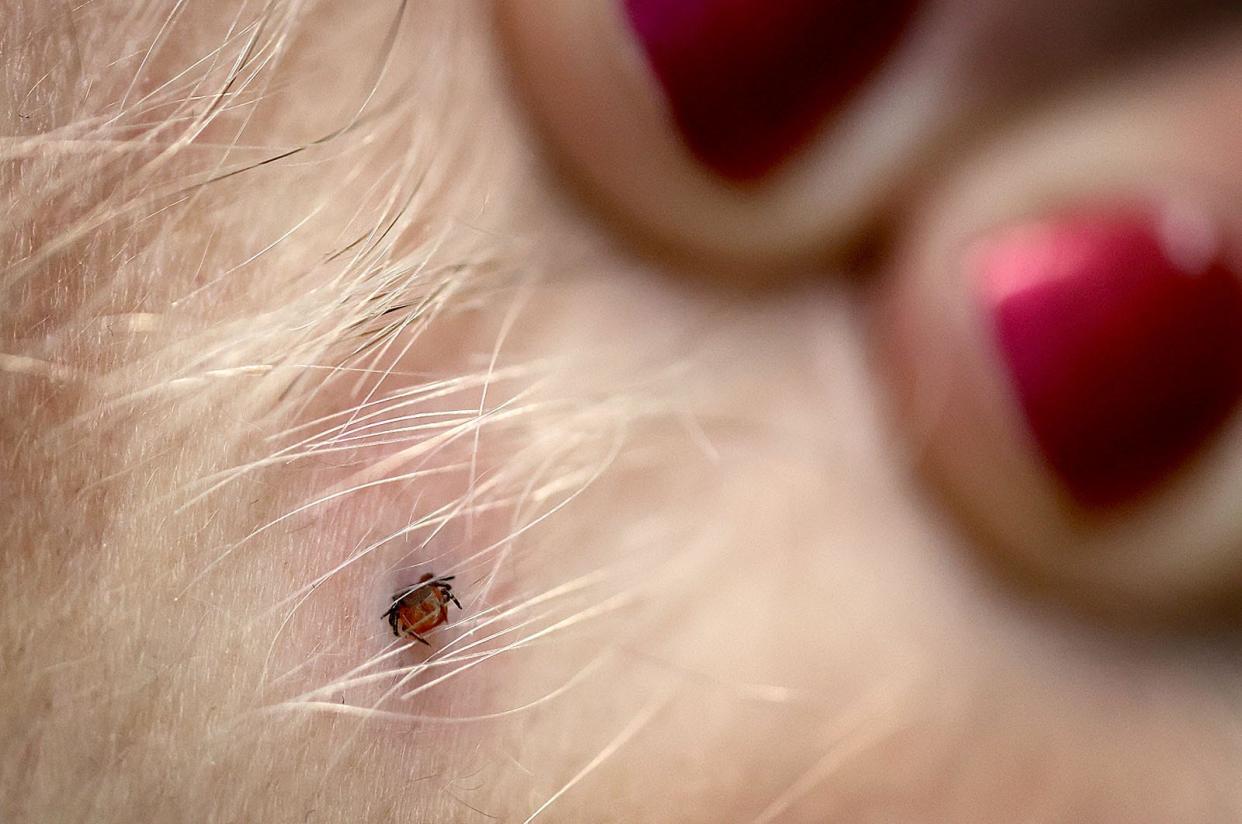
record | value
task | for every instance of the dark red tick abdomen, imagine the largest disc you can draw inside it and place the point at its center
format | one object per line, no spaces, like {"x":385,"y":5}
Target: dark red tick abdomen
{"x":421,"y":617}
{"x":422,"y":608}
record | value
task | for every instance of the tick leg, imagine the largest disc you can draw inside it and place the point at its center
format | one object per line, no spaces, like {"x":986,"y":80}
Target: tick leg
{"x":420,"y":638}
{"x":453,"y":598}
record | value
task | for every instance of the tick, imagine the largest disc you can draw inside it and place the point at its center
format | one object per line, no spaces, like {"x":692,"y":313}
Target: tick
{"x":421,"y":608}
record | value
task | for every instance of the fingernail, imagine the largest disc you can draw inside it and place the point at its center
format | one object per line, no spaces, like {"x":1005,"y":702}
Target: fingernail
{"x":749,"y":81}
{"x":1122,"y":333}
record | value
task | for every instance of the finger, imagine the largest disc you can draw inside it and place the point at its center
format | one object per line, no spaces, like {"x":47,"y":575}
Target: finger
{"x":735,"y":133}
{"x":1065,"y":333}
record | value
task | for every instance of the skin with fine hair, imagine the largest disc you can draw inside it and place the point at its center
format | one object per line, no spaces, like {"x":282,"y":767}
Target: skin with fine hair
{"x":299,"y":307}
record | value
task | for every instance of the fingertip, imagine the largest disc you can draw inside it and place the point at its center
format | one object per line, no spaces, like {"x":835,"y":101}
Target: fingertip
{"x":1062,"y":334}
{"x":686,"y":152}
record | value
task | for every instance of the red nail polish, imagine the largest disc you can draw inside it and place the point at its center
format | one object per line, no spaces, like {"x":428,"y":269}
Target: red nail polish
{"x":1123,"y":337}
{"x":748,"y":81}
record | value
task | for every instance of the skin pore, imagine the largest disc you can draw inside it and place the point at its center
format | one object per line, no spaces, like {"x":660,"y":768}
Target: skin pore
{"x":298,"y":308}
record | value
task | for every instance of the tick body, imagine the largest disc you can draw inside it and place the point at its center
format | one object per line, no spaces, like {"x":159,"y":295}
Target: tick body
{"x":421,"y":608}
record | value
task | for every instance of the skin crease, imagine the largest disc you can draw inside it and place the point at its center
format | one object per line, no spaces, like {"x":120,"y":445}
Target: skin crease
{"x":295,"y":311}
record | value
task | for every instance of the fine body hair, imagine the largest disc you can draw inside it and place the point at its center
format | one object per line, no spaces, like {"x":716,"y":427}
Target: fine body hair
{"x":294,"y":315}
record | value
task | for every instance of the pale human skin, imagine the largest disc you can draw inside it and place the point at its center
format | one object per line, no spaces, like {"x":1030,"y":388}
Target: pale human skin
{"x":300,"y":305}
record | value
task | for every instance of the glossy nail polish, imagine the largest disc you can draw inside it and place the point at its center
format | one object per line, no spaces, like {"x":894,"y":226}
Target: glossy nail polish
{"x":1122,"y":333}
{"x":749,"y":81}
